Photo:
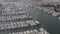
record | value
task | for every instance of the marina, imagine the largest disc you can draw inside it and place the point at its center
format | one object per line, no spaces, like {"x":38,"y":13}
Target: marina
{"x":46,"y":18}
{"x":12,"y":18}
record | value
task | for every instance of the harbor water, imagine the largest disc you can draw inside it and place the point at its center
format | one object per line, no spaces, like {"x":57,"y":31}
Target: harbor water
{"x":49,"y":22}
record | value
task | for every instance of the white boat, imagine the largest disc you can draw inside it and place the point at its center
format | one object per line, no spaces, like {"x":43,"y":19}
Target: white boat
{"x":58,"y":17}
{"x":15,"y":17}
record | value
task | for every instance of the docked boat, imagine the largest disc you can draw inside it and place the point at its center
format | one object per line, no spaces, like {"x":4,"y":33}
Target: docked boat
{"x":58,"y":17}
{"x":15,"y":17}
{"x":34,"y":31}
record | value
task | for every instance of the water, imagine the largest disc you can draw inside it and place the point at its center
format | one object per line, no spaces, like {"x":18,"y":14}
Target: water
{"x":51,"y":23}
